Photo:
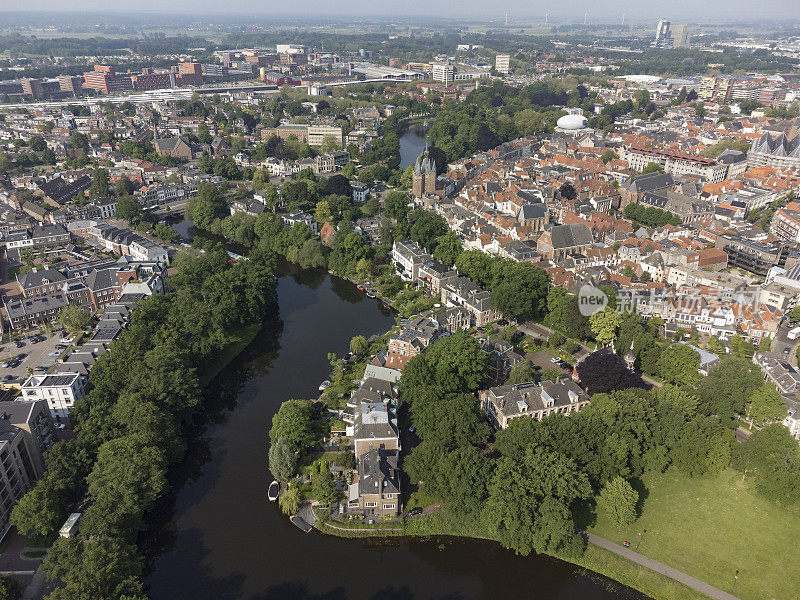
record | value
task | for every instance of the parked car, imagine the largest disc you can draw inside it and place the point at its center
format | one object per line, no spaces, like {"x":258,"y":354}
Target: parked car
{"x":555,"y":359}
{"x":19,"y":344}
{"x":60,"y":425}
{"x":67,"y":340}
{"x":415,"y":511}
{"x":54,"y":353}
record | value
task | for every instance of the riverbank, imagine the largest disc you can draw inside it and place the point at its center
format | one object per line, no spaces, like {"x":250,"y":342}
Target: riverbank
{"x":595,"y":560}
{"x":241,"y":339}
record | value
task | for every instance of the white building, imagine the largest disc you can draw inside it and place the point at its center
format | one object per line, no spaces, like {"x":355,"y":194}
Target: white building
{"x":59,"y":391}
{"x":444,"y":72}
{"x":502,"y":63}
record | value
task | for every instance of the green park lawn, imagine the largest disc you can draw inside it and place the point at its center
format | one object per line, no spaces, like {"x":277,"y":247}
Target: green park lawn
{"x":710,"y":526}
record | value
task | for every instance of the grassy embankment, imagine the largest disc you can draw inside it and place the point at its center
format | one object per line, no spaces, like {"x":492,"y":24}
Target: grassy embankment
{"x":708,"y":527}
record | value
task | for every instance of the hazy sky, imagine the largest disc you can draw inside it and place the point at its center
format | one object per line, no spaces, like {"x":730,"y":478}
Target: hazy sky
{"x":605,"y":10}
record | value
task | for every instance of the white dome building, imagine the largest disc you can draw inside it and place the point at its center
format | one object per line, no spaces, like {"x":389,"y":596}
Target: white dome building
{"x":571,"y":122}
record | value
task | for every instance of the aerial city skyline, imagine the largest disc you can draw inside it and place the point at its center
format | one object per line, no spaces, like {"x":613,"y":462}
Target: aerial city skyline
{"x":379,"y":302}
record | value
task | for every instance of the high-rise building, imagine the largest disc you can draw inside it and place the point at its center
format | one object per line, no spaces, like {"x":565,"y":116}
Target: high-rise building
{"x":444,"y":72}
{"x":105,"y":80}
{"x":663,"y":36}
{"x":26,"y":430}
{"x":32,"y":87}
{"x":152,"y":81}
{"x":68,"y":83}
{"x":502,"y":63}
{"x":192,"y":68}
{"x":680,"y":36}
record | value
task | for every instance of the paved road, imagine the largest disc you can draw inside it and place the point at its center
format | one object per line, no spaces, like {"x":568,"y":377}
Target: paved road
{"x":658,"y":567}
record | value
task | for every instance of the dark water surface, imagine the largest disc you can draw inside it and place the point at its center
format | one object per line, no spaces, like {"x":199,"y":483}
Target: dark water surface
{"x":221,"y":539}
{"x":412,"y":143}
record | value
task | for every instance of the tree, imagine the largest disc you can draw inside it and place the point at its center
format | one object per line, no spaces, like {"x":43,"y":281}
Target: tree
{"x":679,"y":364}
{"x":766,"y":405}
{"x":529,"y":502}
{"x":618,"y":499}
{"x":605,"y":325}
{"x":37,"y":143}
{"x":487,"y":139}
{"x":773,"y":457}
{"x":522,"y":372}
{"x":339,"y":185}
{"x":567,"y":191}
{"x":330,"y":143}
{"x":10,"y":588}
{"x":123,"y":186}
{"x":794,"y":316}
{"x":292,"y":422}
{"x":290,"y":500}
{"x":128,"y":208}
{"x":652,"y":167}
{"x":727,"y":388}
{"x":99,"y":187}
{"x":323,"y":487}
{"x":358,"y":345}
{"x":608,"y":156}
{"x":552,"y":374}
{"x":100,"y":567}
{"x":282,"y":460}
{"x":448,"y":248}
{"x":521,"y":292}
{"x":79,"y":141}
{"x":75,"y":318}
{"x":603,"y":372}
{"x":439,"y":158}
{"x":452,"y":364}
{"x":396,"y":204}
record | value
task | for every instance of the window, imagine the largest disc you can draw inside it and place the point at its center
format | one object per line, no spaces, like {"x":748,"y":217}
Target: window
{"x":370,"y":504}
{"x":388,"y":507}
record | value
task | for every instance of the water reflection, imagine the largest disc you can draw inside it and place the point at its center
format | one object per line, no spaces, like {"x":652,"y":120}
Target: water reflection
{"x":218,"y":537}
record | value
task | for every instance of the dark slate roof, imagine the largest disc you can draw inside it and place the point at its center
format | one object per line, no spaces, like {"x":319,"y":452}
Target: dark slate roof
{"x":40,"y":277}
{"x":532,"y":211}
{"x":573,"y":234}
{"x":378,"y":472}
{"x":651,"y":181}
{"x":60,"y":192}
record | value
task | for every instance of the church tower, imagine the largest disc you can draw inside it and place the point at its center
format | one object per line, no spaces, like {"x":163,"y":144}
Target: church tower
{"x":423,"y":180}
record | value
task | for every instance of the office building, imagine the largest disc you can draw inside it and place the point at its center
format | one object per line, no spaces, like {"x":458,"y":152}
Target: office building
{"x":32,"y":87}
{"x":663,"y":35}
{"x":106,"y":81}
{"x":680,"y":36}
{"x":68,"y":83}
{"x":502,"y":63}
{"x":444,"y":72}
{"x":675,"y":163}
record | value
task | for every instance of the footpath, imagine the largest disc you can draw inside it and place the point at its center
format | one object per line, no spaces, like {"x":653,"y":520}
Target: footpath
{"x":658,"y":567}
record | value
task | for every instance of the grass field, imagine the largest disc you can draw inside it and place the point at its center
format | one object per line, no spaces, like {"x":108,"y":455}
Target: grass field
{"x":710,"y":527}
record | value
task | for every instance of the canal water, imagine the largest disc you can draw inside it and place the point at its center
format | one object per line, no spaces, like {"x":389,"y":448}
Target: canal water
{"x":412,"y":143}
{"x":219,"y":538}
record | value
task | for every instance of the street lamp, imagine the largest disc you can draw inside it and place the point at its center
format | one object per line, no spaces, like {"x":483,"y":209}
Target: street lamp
{"x":641,"y":533}
{"x":735,"y":579}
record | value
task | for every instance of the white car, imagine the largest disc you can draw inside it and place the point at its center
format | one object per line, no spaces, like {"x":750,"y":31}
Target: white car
{"x":54,"y":353}
{"x":67,"y":340}
{"x":555,"y":359}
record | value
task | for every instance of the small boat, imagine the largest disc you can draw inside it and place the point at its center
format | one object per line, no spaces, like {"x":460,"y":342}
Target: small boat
{"x":370,"y":294}
{"x":324,"y":385}
{"x":273,"y":491}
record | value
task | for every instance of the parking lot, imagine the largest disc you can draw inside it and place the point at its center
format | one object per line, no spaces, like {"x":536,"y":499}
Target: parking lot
{"x":37,"y":354}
